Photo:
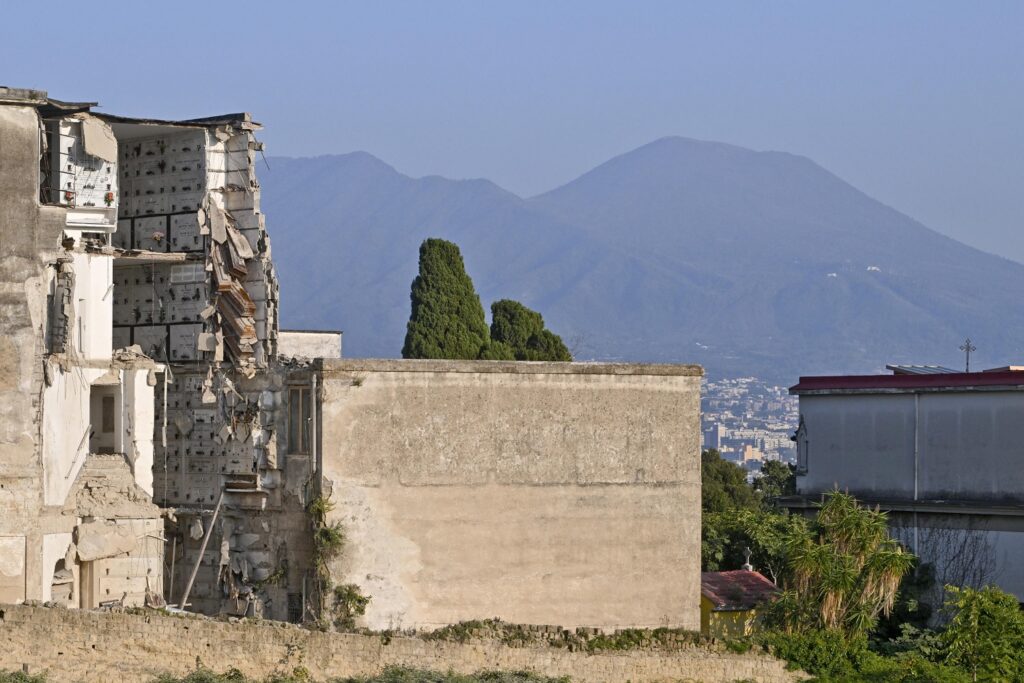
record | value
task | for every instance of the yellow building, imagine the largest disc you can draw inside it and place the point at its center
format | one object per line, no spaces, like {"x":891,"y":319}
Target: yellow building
{"x":729,"y":602}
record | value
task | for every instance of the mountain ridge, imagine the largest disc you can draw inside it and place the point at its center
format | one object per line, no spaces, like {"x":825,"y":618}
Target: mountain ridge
{"x":749,"y":262}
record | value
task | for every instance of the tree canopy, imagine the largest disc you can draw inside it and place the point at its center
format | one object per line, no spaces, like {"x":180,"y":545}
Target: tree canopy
{"x":447,"y":318}
{"x":522,"y":331}
{"x":777,"y":479}
{"x":724,"y":485}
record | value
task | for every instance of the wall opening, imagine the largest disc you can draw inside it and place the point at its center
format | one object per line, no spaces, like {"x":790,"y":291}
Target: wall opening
{"x":103,"y":409}
{"x":298,"y":420}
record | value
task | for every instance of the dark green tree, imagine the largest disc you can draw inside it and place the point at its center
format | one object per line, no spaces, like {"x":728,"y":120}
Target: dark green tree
{"x":777,"y":479}
{"x":522,"y":330}
{"x":447,"y":319}
{"x":724,"y":485}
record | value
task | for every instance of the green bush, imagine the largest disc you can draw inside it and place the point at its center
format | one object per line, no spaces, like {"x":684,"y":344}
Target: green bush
{"x":825,"y":653}
{"x":521,"y":330}
{"x":19,"y":677}
{"x":986,"y":634}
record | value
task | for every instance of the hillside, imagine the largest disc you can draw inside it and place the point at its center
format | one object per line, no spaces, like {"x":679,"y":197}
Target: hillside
{"x":747,"y":262}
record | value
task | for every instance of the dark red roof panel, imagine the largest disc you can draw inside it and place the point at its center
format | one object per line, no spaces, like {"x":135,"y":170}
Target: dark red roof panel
{"x":956,"y":380}
{"x":736,"y":590}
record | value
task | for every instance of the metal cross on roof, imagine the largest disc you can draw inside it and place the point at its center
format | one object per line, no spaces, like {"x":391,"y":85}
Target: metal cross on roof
{"x":967,"y":347}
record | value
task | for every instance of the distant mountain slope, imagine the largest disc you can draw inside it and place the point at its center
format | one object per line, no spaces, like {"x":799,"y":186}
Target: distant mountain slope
{"x":748,"y":262}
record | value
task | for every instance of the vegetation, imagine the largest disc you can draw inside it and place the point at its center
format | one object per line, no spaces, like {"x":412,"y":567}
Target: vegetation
{"x":986,"y":635}
{"x":339,"y":605}
{"x":843,"y":571}
{"x":724,"y":485}
{"x":392,"y":674}
{"x":403,"y":675}
{"x":447,"y":319}
{"x":778,"y":479}
{"x":19,"y":677}
{"x":851,"y":608}
{"x":521,"y":330}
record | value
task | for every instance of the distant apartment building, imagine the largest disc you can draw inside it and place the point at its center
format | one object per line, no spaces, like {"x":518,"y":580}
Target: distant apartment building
{"x":939,"y":450}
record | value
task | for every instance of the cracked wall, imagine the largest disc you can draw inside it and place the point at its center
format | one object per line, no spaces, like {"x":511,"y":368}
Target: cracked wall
{"x":55,"y":363}
{"x":540,"y":493}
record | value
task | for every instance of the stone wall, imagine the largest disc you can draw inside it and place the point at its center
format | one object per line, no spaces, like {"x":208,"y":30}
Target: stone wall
{"x":552,"y":493}
{"x":90,"y":646}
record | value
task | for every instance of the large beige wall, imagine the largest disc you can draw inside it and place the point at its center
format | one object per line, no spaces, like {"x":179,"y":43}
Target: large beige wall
{"x":544,"y":493}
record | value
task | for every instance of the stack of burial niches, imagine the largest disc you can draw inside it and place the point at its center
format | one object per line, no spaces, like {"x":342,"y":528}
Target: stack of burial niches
{"x":193,"y":192}
{"x":209,"y":444}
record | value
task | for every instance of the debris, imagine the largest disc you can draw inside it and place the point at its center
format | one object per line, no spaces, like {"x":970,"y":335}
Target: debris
{"x":98,"y":138}
{"x":98,"y":539}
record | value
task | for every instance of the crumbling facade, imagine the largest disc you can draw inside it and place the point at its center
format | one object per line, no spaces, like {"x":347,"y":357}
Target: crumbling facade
{"x":141,"y":312}
{"x":162,"y":441}
{"x":77,"y":521}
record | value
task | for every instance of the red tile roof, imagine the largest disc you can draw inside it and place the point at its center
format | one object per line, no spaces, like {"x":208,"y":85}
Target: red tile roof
{"x":736,"y":590}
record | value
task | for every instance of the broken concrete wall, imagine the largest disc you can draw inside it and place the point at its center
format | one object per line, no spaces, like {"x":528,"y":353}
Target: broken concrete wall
{"x":310,"y":343}
{"x":56,"y":370}
{"x":195,"y":286}
{"x":29,"y":240}
{"x":230,"y":443}
{"x":556,"y":493}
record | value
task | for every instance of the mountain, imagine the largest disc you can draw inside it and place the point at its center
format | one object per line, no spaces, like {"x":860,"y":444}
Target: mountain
{"x":750,"y":263}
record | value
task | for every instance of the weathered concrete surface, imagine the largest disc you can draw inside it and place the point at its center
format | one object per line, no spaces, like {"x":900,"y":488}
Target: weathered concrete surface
{"x":559,"y":493}
{"x":309,"y":343}
{"x":29,"y":236}
{"x":133,"y":648}
{"x":46,"y":399}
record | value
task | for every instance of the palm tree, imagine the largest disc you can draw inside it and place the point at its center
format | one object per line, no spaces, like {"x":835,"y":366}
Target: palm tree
{"x":844,"y":570}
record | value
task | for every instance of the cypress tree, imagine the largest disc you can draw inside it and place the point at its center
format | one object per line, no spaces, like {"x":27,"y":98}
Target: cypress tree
{"x":447,"y":319}
{"x":522,"y":330}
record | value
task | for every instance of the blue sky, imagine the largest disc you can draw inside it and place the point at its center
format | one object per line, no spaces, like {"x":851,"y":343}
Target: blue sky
{"x":919,"y":104}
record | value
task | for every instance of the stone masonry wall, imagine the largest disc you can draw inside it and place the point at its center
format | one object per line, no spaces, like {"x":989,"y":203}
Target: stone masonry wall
{"x":83,"y":646}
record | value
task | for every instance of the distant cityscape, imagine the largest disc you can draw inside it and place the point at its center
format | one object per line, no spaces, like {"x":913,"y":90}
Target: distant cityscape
{"x":749,"y":421}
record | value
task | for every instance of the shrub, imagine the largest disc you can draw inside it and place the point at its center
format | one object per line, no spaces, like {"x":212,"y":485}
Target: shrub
{"x":986,"y":634}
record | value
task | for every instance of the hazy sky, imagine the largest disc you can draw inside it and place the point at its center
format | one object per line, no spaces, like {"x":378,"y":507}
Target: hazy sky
{"x":919,"y":104}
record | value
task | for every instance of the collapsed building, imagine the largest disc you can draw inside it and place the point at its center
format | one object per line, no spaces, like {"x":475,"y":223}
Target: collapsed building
{"x":141,"y":308}
{"x":163,"y":442}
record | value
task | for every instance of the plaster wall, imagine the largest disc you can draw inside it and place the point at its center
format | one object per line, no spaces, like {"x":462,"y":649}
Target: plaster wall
{"x":535,"y":492}
{"x":66,"y":428}
{"x":309,"y":344}
{"x":138,"y":421}
{"x":93,"y":301}
{"x":55,"y":547}
{"x":12,"y":569}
